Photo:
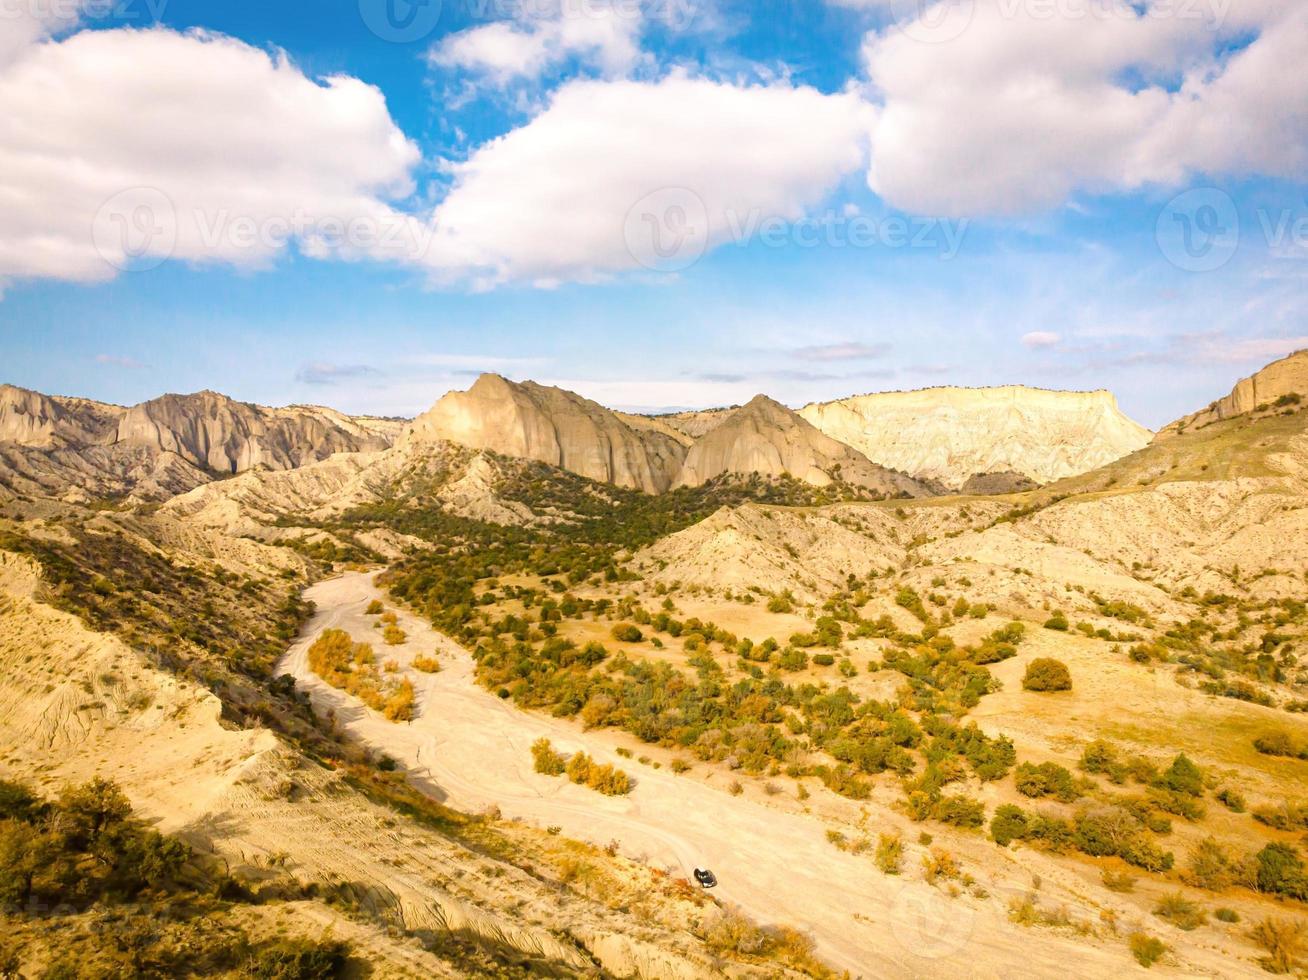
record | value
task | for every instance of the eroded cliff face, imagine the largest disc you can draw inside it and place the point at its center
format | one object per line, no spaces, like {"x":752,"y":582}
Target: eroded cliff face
{"x":767,"y":438}
{"x":82,"y":449}
{"x":29,"y":418}
{"x":552,"y":426}
{"x":213,"y":432}
{"x":954,"y":434}
{"x":1283,"y":379}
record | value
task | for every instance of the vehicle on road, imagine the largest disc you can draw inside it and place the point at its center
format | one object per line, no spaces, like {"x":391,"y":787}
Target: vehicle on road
{"x":706,"y":878}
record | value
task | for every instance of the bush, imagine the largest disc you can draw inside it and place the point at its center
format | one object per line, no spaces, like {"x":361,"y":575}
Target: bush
{"x":399,"y":704}
{"x":1146,"y":949}
{"x":1226,"y":915}
{"x":545,"y":759}
{"x":1279,"y":871}
{"x":1057,"y":621}
{"x":823,"y":659}
{"x":627,"y":633}
{"x":1008,"y":824}
{"x":1210,"y":867}
{"x":1183,"y":776}
{"x":781,"y":604}
{"x":1283,"y":940}
{"x":299,"y":959}
{"x":1047,"y":674}
{"x":426,"y":664}
{"x":1046,"y":779}
{"x":890,"y":853}
{"x":1180,"y":912}
{"x":961,"y":811}
{"x":1231,"y":799}
{"x":374,"y":608}
{"x":393,"y":635}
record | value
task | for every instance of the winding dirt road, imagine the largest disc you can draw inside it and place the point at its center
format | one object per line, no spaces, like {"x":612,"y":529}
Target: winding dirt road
{"x":470,"y":749}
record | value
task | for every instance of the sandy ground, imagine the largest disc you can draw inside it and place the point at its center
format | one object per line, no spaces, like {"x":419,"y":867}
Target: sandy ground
{"x":472,"y":750}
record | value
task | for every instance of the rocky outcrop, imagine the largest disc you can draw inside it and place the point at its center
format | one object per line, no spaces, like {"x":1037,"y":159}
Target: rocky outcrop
{"x":953,"y":434}
{"x":1280,"y":380}
{"x":29,"y":418}
{"x":767,"y":438}
{"x":552,"y":426}
{"x":213,"y":432}
{"x":79,"y":449}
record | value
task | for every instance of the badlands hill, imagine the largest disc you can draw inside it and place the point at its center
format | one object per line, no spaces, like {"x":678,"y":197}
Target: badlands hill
{"x":767,"y":438}
{"x":52,"y":445}
{"x":654,"y":454}
{"x":552,"y":426}
{"x":1280,"y":385}
{"x":954,"y":434}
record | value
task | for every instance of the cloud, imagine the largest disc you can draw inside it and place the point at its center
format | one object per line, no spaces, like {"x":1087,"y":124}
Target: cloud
{"x":1039,"y":339}
{"x":601,"y":34}
{"x":1016,"y":109}
{"x":220,"y":152}
{"x":851,"y":351}
{"x":329,"y":374}
{"x":553,"y":200}
{"x":118,"y":360}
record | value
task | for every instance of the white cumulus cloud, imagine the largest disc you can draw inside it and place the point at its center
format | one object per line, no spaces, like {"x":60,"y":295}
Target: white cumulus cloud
{"x":551,"y":200}
{"x":603,"y":34}
{"x":1017,"y":107}
{"x":156,"y":144}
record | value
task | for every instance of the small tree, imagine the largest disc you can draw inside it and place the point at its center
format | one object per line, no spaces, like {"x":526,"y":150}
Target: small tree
{"x":545,"y":759}
{"x":1047,"y":674}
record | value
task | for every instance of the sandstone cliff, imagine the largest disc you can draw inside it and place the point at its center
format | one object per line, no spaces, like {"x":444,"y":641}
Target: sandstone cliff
{"x":767,"y":438}
{"x":553,"y":426}
{"x":213,"y":432}
{"x":71,"y":447}
{"x":1281,"y":379}
{"x":954,"y":434}
{"x":29,"y":418}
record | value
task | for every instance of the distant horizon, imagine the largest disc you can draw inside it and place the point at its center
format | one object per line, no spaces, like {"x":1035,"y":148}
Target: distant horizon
{"x":641,"y":410}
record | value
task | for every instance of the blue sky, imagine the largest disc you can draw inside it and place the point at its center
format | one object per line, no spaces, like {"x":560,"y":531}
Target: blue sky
{"x":877,"y":206}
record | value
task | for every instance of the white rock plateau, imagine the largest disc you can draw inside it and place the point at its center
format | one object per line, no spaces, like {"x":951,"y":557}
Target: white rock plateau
{"x":953,"y":434}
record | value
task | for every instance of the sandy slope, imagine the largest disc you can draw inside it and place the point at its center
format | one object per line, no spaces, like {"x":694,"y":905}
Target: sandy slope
{"x":471,"y":749}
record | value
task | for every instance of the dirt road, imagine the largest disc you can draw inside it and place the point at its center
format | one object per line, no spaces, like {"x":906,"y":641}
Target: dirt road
{"x":470,"y":749}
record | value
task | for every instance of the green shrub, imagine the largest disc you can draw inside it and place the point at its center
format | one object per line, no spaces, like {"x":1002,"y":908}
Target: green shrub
{"x":1009,"y":823}
{"x":1183,"y":776}
{"x":1180,"y":911}
{"x":1279,"y":871}
{"x":1046,"y":779}
{"x":627,"y":633}
{"x":1057,"y":621}
{"x":1047,"y":674}
{"x":890,"y":853}
{"x":299,"y":959}
{"x":1146,"y":949}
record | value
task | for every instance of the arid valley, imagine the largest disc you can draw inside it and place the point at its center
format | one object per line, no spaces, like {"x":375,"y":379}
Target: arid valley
{"x":478,"y":693}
